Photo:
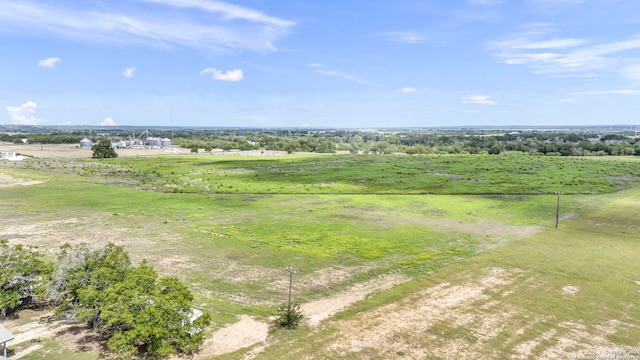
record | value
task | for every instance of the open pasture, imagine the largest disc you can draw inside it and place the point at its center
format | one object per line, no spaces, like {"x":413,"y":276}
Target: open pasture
{"x":511,"y":173}
{"x":227,"y":227}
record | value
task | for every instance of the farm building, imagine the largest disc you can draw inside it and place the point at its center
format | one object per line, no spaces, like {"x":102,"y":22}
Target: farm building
{"x":10,"y":155}
{"x":86,"y":143}
{"x":158,"y":142}
{"x":5,"y":336}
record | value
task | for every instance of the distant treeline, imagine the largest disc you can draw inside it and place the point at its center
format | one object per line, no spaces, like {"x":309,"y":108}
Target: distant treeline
{"x":542,"y":142}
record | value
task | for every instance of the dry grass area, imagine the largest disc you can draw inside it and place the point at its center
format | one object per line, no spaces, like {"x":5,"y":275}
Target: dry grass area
{"x":73,"y":151}
{"x":8,"y":180}
{"x":463,"y":320}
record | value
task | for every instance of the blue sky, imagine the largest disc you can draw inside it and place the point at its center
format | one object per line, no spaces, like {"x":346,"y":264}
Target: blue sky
{"x":331,"y":63}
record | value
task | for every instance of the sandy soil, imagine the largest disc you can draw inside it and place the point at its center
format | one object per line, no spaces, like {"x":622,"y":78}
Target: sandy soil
{"x":322,"y":309}
{"x":388,"y":329}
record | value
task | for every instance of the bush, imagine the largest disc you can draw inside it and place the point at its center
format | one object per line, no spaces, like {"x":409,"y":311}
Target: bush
{"x":289,"y":316}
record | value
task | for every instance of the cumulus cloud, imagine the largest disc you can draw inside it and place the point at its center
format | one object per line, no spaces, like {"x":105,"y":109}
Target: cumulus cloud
{"x":229,"y":75}
{"x":408,"y":89}
{"x":24,"y":114}
{"x":49,"y":62}
{"x":128,"y":72}
{"x":108,"y":122}
{"x":478,"y":99}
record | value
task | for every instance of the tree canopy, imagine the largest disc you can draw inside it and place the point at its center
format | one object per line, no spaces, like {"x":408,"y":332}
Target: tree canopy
{"x":139,"y":311}
{"x":103,"y":150}
{"x":21,"y":275}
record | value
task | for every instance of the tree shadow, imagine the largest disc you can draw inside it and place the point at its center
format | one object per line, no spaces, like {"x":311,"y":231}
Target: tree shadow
{"x":83,"y":338}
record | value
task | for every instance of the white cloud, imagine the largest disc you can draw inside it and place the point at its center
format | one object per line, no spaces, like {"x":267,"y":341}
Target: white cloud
{"x":128,"y":72}
{"x":325,"y":70}
{"x":632,"y":72}
{"x":545,"y":44}
{"x":608,"y":92}
{"x":408,"y":89}
{"x":342,"y":75}
{"x":229,"y":75}
{"x":192,"y":23}
{"x":49,"y":62}
{"x":24,"y":114}
{"x":569,"y":55}
{"x":478,"y":99}
{"x":571,"y":100}
{"x":407,"y":37}
{"x":108,"y":122}
{"x":228,"y":11}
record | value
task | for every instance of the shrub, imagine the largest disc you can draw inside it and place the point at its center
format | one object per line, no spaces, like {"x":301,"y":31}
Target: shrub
{"x":289,"y":316}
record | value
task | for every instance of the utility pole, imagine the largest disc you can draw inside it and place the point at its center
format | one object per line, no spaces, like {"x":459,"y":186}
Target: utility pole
{"x":558,"y":210}
{"x":291,"y":272}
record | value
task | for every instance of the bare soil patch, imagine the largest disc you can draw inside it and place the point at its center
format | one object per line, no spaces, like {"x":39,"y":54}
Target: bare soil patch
{"x":73,"y":151}
{"x":8,"y":180}
{"x":95,"y":230}
{"x":242,"y":334}
{"x":459,"y":321}
{"x":322,"y":309}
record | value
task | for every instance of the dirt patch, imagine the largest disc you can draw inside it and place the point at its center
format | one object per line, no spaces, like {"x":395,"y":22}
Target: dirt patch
{"x":462,"y":320}
{"x":73,"y":151}
{"x":29,"y":333}
{"x":582,"y":342}
{"x":8,"y":180}
{"x":48,"y":236}
{"x":242,"y":334}
{"x":319,"y":310}
{"x":570,"y":290}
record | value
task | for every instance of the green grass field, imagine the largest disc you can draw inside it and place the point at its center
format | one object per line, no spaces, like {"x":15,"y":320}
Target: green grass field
{"x":228,"y":226}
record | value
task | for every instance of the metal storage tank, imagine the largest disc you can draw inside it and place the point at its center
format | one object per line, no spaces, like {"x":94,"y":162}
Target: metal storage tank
{"x":86,"y":143}
{"x":153,"y":142}
{"x":166,"y":143}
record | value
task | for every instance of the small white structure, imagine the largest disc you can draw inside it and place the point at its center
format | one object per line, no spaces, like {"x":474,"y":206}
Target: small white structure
{"x":5,"y":336}
{"x":86,"y":143}
{"x":10,"y":155}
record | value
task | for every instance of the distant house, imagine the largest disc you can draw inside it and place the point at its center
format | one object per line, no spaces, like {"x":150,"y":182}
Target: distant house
{"x":10,"y":155}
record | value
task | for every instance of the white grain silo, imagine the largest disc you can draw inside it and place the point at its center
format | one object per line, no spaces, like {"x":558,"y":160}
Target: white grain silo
{"x":86,"y":143}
